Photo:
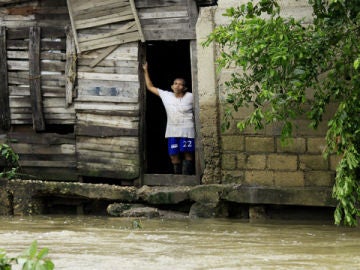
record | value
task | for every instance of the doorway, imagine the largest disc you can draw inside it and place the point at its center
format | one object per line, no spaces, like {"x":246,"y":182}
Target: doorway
{"x":167,"y":60}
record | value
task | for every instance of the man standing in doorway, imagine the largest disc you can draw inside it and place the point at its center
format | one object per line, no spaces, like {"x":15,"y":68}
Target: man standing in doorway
{"x":180,"y":128}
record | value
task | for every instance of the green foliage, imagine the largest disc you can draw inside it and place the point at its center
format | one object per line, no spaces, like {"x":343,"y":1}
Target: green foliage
{"x":11,"y":160}
{"x":31,"y":259}
{"x":5,"y":261}
{"x":283,"y":59}
{"x":137,"y":224}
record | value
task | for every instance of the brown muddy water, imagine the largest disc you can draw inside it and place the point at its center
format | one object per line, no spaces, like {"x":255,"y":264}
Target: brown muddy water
{"x":105,"y":243}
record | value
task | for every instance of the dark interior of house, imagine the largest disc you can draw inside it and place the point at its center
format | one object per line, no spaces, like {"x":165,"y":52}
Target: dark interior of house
{"x":167,"y":60}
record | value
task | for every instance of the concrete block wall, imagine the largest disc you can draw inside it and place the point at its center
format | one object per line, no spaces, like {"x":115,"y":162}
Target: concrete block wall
{"x":255,"y":158}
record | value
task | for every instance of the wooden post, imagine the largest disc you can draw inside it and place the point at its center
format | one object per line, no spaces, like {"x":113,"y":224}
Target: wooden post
{"x":34,"y":77}
{"x":70,"y":66}
{"x":69,"y":5}
{"x":4,"y":90}
{"x":137,"y":21}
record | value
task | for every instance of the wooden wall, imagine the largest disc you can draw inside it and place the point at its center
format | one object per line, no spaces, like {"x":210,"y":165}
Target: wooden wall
{"x":35,"y":45}
{"x":167,"y":19}
{"x":107,"y":109}
{"x":99,"y":111}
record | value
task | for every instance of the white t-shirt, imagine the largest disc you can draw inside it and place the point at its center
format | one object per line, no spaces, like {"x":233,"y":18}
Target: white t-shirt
{"x":179,"y":111}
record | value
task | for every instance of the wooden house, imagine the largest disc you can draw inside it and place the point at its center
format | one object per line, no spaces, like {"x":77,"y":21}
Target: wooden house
{"x":72,"y":100}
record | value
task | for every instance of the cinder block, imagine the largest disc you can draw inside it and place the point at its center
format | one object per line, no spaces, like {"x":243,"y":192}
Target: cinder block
{"x":241,"y":160}
{"x":256,"y":162}
{"x":319,"y":179}
{"x":313,"y":162}
{"x":260,"y":144}
{"x":259,"y":178}
{"x":334,"y":161}
{"x":282,"y":162}
{"x":232,"y":177}
{"x":233,"y":143}
{"x":229,"y":161}
{"x":294,"y":145}
{"x":289,"y":179}
{"x":316,"y":145}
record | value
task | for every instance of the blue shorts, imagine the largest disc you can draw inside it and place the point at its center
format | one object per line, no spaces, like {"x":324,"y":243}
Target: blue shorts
{"x":180,"y":145}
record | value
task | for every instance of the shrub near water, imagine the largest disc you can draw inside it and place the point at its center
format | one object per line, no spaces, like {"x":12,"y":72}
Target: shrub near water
{"x":31,"y":259}
{"x":11,"y":160}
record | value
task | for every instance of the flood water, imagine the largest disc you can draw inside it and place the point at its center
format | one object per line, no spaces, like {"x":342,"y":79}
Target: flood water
{"x":104,"y":243}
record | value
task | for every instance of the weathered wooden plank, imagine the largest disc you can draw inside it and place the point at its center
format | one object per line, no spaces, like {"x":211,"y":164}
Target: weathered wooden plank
{"x":108,"y":77}
{"x":137,"y":20}
{"x":54,"y":102}
{"x":18,"y":33}
{"x":53,"y":92}
{"x":140,"y":4}
{"x":42,"y":157}
{"x":20,"y":110}
{"x":100,"y":68}
{"x":17,"y":44}
{"x":25,"y":148}
{"x":28,"y":137}
{"x":106,"y":166}
{"x":53,"y":45}
{"x":106,"y":107}
{"x":18,"y":65}
{"x":4,"y":90}
{"x":18,"y":77}
{"x":108,"y":88}
{"x":56,"y":83}
{"x":47,"y":163}
{"x":193,"y":12}
{"x":129,"y":91}
{"x":102,"y":12}
{"x":70,"y":68}
{"x":34,"y":77}
{"x":127,"y":51}
{"x":17,"y":54}
{"x":164,"y":12}
{"x":121,"y":144}
{"x":21,"y":116}
{"x":58,"y":66}
{"x":113,"y":40}
{"x":128,"y":27}
{"x":99,"y":131}
{"x":65,"y":111}
{"x":199,"y":153}
{"x":84,"y":13}
{"x":89,"y":170}
{"x":85,"y":5}
{"x":71,"y":12}
{"x":94,"y":14}
{"x":20,"y":101}
{"x":108,"y":157}
{"x":110,"y":99}
{"x":19,"y":90}
{"x":166,"y":23}
{"x":107,"y":120}
{"x":104,"y":20}
{"x":116,"y":65}
{"x":94,"y":143}
{"x":103,"y":55}
{"x":170,"y":34}
{"x":60,"y":116}
{"x":52,"y":56}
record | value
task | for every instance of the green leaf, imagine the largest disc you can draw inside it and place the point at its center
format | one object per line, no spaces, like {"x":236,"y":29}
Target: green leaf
{"x":357,"y":63}
{"x":42,"y":253}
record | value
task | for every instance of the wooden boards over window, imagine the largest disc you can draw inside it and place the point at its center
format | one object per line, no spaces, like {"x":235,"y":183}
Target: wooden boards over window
{"x":99,"y":24}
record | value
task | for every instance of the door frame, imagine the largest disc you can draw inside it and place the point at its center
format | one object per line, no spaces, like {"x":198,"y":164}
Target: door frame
{"x":170,"y":179}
